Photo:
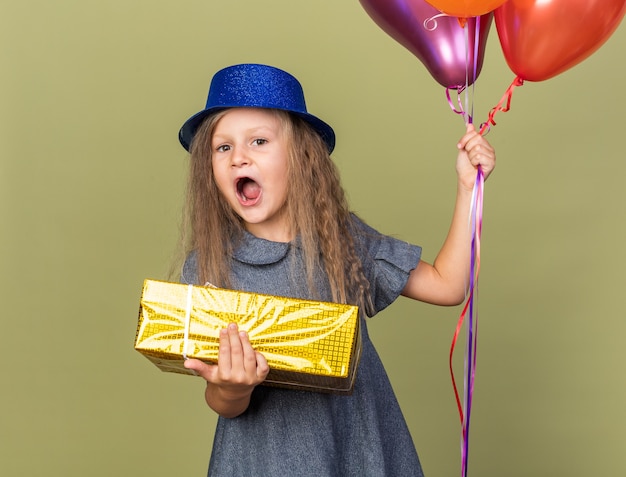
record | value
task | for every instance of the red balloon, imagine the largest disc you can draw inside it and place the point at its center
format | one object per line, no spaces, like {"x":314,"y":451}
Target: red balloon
{"x":466,"y":8}
{"x":442,"y":45}
{"x":543,"y":38}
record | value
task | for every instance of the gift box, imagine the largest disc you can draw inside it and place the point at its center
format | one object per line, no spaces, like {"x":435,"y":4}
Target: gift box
{"x":309,"y":345}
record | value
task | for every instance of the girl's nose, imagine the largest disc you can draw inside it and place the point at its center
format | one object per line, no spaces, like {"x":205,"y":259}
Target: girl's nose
{"x":239,"y":157}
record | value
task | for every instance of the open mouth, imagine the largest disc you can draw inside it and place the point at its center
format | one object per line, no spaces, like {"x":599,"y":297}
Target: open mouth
{"x":248,"y":190}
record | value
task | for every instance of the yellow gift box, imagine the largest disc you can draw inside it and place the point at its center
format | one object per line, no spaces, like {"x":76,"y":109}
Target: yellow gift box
{"x":309,"y":345}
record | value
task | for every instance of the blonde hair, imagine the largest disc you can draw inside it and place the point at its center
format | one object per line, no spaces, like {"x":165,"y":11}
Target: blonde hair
{"x":316,"y":209}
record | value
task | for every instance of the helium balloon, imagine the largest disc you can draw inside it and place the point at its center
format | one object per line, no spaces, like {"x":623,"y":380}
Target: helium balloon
{"x":543,"y":38}
{"x":466,"y":8}
{"x":439,"y":42}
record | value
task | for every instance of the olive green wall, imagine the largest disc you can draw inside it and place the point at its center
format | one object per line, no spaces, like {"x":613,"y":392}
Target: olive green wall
{"x":91,"y":98}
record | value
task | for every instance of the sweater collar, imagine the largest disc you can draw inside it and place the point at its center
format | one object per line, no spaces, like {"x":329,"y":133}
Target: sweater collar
{"x":257,"y":251}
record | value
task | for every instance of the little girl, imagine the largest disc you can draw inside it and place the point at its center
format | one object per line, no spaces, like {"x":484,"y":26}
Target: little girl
{"x":266,"y":213}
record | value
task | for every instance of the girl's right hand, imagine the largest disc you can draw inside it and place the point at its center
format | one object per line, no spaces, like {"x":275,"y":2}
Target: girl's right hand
{"x":239,"y":369}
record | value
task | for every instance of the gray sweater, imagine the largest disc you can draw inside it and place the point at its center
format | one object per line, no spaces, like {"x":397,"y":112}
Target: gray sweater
{"x":301,"y":433}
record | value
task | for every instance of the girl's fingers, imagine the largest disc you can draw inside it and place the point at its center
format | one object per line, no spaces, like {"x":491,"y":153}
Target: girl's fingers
{"x":476,"y":141}
{"x":206,"y":371}
{"x":262,"y":368}
{"x":249,"y":354}
{"x":470,"y":133}
{"x":223,"y":355}
{"x":238,"y":362}
{"x":236,"y":348}
{"x":241,"y":363}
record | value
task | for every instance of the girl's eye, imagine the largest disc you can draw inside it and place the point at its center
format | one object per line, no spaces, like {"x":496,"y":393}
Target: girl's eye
{"x":259,"y":141}
{"x":223,"y":148}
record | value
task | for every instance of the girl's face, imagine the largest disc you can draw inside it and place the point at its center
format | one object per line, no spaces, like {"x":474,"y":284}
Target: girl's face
{"x":250,"y":163}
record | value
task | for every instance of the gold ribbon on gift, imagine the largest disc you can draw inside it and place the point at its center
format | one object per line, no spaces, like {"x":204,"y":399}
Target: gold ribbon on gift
{"x":309,"y":345}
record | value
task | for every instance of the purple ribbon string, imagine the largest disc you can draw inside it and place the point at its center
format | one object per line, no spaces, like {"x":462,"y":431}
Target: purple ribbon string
{"x":469,"y":310}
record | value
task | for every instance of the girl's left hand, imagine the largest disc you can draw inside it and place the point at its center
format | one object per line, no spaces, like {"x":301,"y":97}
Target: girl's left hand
{"x":474,"y":151}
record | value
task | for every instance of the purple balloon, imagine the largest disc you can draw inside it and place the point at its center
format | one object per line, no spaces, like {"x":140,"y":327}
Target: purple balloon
{"x":443,"y":45}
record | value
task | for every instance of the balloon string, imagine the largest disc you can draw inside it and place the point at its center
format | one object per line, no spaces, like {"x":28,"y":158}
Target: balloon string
{"x":504,"y":105}
{"x":475,"y":62}
{"x":468,"y":116}
{"x":475,"y":223}
{"x":473,"y":70}
{"x":469,"y":312}
{"x":456,"y":109}
{"x":466,"y":104}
